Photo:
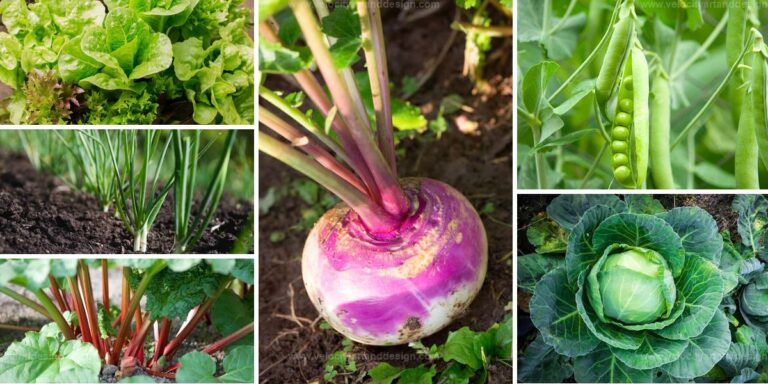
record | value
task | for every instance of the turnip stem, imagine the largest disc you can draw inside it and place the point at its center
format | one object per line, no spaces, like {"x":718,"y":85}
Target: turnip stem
{"x":376,"y":218}
{"x":299,"y":140}
{"x":25,"y":301}
{"x":316,"y":93}
{"x":392,"y":196}
{"x":375,"y":59}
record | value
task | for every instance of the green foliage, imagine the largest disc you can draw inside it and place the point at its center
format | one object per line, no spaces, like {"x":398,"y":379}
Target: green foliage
{"x":124,"y":54}
{"x":230,"y":312}
{"x":45,"y":357}
{"x":467,"y":353}
{"x":199,"y":367}
{"x":129,"y":108}
{"x":647,"y":293}
{"x":170,"y":295}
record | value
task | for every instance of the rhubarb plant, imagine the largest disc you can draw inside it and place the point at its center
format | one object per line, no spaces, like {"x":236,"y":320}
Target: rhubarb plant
{"x":179,"y":294}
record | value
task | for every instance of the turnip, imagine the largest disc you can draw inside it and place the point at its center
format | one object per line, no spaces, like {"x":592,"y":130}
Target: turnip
{"x":398,"y":259}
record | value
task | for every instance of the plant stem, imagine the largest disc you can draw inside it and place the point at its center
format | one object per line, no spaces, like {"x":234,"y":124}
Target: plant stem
{"x":303,"y":120}
{"x":392,"y":197}
{"x":712,"y":98}
{"x":148,"y":274}
{"x":19,"y":328}
{"x":591,"y":56}
{"x":160,"y":342}
{"x":82,"y":319}
{"x":316,"y":93}
{"x":541,"y":164}
{"x":56,"y":293}
{"x":375,"y":59}
{"x":105,"y":284}
{"x":702,"y":49}
{"x":493,"y":31}
{"x":174,"y":344}
{"x":90,"y":307}
{"x":376,"y":219}
{"x":55,"y":314}
{"x":299,"y":140}
{"x":226,"y":341}
{"x":25,"y":301}
{"x":137,"y":342}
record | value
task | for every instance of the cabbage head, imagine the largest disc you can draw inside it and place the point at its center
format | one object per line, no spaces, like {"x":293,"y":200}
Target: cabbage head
{"x":637,"y":297}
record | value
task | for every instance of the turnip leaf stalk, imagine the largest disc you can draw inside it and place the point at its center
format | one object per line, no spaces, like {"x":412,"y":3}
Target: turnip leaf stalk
{"x":415,"y":248}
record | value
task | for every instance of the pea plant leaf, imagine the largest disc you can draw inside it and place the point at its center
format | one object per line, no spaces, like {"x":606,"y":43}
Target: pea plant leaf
{"x":559,"y":43}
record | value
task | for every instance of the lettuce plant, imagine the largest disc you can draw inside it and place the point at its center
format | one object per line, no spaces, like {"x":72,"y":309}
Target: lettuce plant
{"x":124,"y":50}
{"x":637,"y":297}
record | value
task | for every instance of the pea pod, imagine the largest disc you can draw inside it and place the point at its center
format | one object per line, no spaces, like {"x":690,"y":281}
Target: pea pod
{"x":735,"y":38}
{"x":752,"y":122}
{"x":629,"y":134}
{"x":757,"y":98}
{"x":661,"y":165}
{"x":615,"y":57}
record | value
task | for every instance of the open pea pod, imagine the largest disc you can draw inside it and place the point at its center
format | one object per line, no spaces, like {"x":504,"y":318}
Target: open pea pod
{"x":631,"y":123}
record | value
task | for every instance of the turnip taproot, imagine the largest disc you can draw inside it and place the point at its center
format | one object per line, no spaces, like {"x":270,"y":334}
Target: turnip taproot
{"x":394,"y":290}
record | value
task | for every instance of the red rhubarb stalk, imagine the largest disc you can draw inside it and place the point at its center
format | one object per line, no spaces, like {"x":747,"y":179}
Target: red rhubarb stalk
{"x":105,"y":284}
{"x":82,"y":320}
{"x":154,"y":269}
{"x":160,"y":341}
{"x":173,"y":346}
{"x":90,"y":307}
{"x":226,"y":341}
{"x":57,"y":293}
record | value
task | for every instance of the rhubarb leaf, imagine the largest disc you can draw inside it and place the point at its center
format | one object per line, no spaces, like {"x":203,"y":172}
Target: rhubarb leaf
{"x":169,"y":295}
{"x":199,"y":367}
{"x":229,"y":313}
{"x":244,"y":270}
{"x":41,"y":359}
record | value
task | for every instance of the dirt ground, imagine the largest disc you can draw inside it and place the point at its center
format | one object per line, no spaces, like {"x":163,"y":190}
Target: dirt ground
{"x":719,"y":206}
{"x":39,"y":214}
{"x":479,"y":165}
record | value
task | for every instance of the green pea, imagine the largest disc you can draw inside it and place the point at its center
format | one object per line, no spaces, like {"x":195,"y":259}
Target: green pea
{"x":624,"y":119}
{"x":619,"y":146}
{"x":627,"y":83}
{"x":622,"y":173}
{"x":620,"y":159}
{"x":614,"y":58}
{"x":620,"y":133}
{"x":625,"y":105}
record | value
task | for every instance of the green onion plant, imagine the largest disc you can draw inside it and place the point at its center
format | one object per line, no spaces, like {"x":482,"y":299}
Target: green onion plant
{"x":189,"y":229}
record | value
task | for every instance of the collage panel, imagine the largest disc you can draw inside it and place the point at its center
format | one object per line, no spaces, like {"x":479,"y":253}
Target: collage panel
{"x":117,"y":191}
{"x":127,"y":320}
{"x":641,"y":288}
{"x":127,"y":62}
{"x":385,"y":192}
{"x":635,"y":94}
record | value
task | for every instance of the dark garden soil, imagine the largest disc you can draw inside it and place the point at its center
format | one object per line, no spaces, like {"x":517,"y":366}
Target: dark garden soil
{"x":39,"y":214}
{"x":719,"y":206}
{"x":479,"y":164}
